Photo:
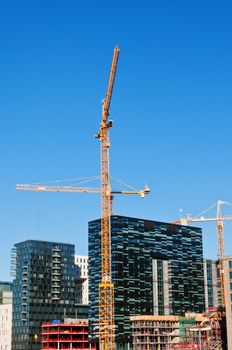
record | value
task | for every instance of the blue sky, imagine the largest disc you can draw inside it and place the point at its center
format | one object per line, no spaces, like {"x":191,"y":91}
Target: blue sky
{"x":171,"y":108}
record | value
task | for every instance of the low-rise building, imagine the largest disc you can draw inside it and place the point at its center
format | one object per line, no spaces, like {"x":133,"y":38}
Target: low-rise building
{"x":70,"y":334}
{"x":5,"y":315}
{"x":5,"y":326}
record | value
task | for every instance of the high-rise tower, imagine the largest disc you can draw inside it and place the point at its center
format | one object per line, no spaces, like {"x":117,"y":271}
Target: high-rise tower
{"x":157,"y":268}
{"x":43,"y":289}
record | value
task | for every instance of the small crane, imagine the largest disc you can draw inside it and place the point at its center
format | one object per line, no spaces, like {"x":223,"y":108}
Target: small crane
{"x":220,"y":237}
{"x":106,"y":286}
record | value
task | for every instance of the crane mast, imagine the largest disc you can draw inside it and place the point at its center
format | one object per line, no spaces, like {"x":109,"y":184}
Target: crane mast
{"x":106,"y":287}
{"x":220,"y":237}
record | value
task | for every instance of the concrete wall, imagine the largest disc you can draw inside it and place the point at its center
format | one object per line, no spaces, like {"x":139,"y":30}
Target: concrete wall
{"x":5,"y":326}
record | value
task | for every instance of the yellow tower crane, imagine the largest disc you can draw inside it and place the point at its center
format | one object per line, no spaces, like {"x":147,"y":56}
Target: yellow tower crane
{"x":220,"y":237}
{"x":106,"y":287}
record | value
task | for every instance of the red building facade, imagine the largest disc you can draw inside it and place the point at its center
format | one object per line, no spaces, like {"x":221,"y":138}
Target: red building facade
{"x":65,"y":336}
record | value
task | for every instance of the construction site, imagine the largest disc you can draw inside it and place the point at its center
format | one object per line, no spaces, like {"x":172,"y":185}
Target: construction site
{"x":149,"y":332}
{"x":173,"y":332}
{"x":58,"y":335}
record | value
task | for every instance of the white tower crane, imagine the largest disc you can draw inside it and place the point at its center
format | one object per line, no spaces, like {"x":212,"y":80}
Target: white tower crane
{"x":220,"y":236}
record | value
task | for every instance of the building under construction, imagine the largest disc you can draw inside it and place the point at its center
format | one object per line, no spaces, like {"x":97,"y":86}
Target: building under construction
{"x":192,"y":332}
{"x":69,"y":335}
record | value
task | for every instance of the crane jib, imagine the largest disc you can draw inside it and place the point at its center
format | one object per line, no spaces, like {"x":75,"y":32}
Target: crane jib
{"x":107,"y":100}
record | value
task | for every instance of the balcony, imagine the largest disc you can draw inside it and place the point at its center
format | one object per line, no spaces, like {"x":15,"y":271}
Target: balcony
{"x":56,"y":277}
{"x":56,"y":266}
{"x":55,"y":291}
{"x":55,"y":273}
{"x":23,"y":315}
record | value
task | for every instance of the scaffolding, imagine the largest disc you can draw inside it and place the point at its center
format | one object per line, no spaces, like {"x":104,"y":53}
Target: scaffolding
{"x":192,"y":332}
{"x":153,"y":332}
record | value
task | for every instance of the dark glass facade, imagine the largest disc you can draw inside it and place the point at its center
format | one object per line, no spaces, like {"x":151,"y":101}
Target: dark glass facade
{"x":43,"y":289}
{"x":157,"y":268}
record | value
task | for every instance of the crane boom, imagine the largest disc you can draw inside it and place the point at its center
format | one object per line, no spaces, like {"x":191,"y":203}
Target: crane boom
{"x":42,"y":188}
{"x":187,"y":220}
{"x":45,"y":188}
{"x":107,"y":100}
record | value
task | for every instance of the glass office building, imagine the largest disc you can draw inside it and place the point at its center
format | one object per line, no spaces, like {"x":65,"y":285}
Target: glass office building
{"x":43,"y":289}
{"x":157,"y":268}
{"x":212,"y":284}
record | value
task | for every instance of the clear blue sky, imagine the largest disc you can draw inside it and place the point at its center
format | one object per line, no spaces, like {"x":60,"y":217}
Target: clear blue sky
{"x":171,"y":108}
